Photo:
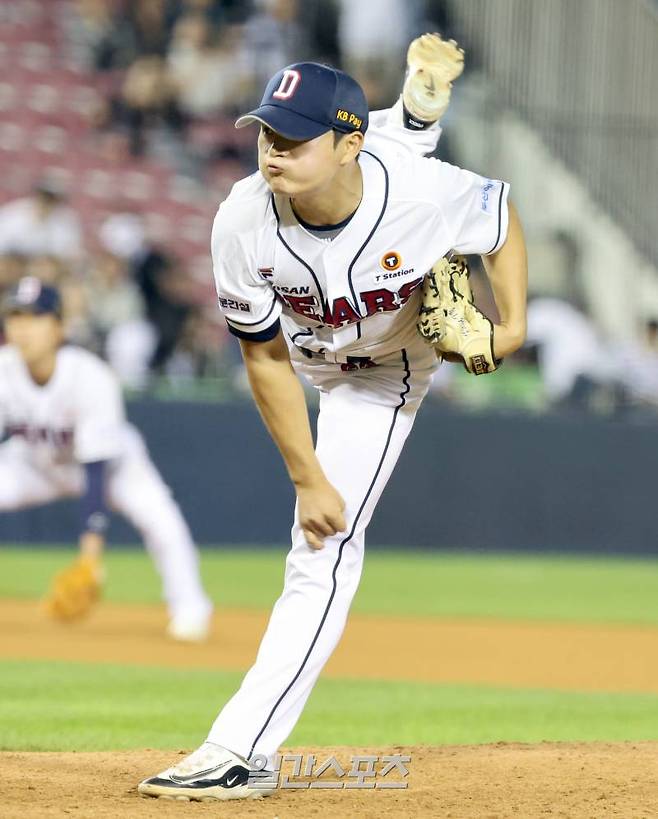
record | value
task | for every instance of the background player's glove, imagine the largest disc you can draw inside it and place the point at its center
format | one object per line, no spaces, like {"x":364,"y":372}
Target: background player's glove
{"x":74,"y":590}
{"x":450,"y":321}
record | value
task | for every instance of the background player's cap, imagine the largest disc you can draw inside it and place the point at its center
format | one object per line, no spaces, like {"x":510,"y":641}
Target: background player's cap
{"x":305,"y":100}
{"x":32,"y":296}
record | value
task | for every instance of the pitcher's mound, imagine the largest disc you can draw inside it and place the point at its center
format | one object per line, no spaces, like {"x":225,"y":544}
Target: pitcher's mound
{"x":463,"y":782}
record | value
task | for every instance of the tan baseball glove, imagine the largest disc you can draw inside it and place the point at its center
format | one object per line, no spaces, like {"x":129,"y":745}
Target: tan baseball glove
{"x":74,"y":590}
{"x":450,"y":321}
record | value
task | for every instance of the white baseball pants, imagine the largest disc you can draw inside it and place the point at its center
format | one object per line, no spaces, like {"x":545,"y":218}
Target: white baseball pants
{"x":365,"y":417}
{"x":135,"y":490}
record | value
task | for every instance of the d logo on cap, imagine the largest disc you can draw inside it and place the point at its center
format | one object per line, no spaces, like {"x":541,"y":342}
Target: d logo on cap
{"x":288,"y":84}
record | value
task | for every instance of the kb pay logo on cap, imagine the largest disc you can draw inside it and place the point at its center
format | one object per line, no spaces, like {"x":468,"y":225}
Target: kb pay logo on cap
{"x":350,"y":119}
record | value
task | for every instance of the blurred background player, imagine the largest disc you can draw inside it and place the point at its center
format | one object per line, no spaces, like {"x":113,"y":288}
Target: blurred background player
{"x":574,"y":361}
{"x":41,"y":224}
{"x":63,"y":415}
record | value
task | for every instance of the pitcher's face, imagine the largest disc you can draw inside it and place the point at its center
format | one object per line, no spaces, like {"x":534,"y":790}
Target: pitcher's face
{"x":295,"y":168}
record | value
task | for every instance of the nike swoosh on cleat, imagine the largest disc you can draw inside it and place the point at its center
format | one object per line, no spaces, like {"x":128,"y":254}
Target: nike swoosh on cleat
{"x":237,"y":775}
{"x":197,"y":774}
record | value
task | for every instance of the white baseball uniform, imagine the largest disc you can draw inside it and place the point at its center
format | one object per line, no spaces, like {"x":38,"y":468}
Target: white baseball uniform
{"x":76,"y":418}
{"x":348,"y":308}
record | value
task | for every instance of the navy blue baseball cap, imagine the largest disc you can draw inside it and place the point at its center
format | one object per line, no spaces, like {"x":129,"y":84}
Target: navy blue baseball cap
{"x":305,"y":100}
{"x":31,"y":295}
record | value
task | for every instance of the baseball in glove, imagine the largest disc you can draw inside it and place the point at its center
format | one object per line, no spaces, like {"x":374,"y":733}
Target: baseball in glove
{"x":450,"y":321}
{"x":74,"y":590}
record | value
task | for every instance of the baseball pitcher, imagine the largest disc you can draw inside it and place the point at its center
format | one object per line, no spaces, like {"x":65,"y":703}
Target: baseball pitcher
{"x":320,"y":260}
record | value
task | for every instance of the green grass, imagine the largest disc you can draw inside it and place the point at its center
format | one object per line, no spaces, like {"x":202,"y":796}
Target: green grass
{"x":75,"y":706}
{"x":60,"y":706}
{"x":397,"y":583}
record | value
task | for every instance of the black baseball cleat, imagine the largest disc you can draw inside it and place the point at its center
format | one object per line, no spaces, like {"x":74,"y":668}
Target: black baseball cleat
{"x":209,"y":774}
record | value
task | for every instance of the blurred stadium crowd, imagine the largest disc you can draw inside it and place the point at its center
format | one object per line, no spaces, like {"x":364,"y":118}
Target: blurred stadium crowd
{"x":117,"y":144}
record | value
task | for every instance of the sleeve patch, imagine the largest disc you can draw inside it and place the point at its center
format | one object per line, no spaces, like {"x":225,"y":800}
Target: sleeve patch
{"x":234,"y":304}
{"x":486,"y":196}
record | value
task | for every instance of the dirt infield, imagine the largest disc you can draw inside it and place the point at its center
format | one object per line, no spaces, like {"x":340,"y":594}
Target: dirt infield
{"x":508,"y":653}
{"x":571,"y":780}
{"x":485,"y":782}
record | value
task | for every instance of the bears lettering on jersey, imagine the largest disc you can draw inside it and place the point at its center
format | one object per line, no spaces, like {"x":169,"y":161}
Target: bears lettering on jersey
{"x":58,"y":438}
{"x":382,"y":300}
{"x":341,"y":312}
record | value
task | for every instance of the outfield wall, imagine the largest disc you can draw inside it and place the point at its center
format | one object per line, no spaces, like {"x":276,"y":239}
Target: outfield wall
{"x":490,"y":482}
